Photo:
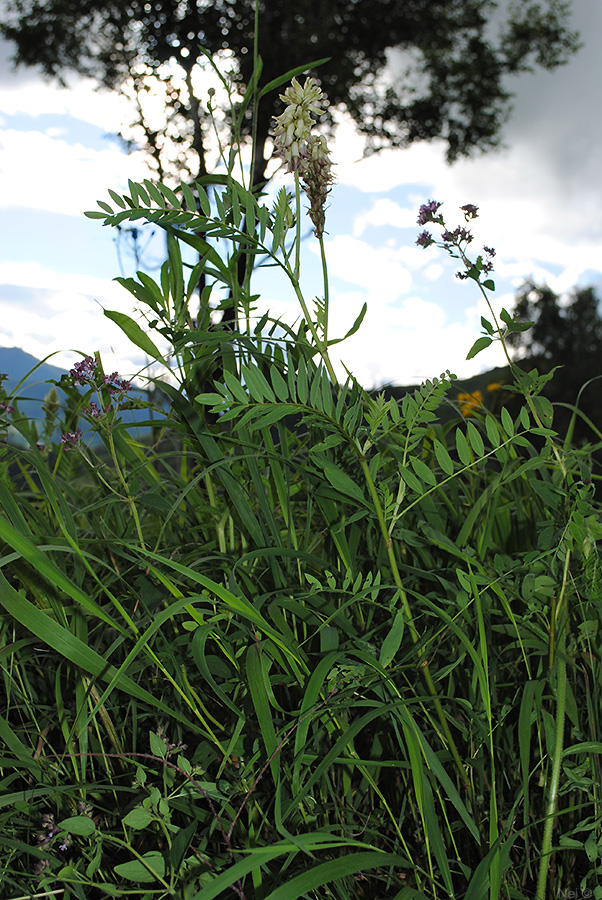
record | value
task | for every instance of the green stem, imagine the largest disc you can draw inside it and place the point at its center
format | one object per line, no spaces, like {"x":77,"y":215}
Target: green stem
{"x":561,"y":692}
{"x":514,"y":369}
{"x":128,"y":497}
{"x":326,"y":288}
{"x":294,"y":276}
{"x":412,"y":625}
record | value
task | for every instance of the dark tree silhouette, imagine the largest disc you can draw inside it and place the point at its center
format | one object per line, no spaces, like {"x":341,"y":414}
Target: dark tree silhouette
{"x":567,"y":332}
{"x":405,"y":70}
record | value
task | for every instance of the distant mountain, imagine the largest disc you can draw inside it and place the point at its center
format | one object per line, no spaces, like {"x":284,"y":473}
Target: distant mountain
{"x":30,"y":380}
{"x":19,"y":367}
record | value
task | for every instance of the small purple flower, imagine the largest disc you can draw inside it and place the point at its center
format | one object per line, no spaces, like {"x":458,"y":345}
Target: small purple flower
{"x":427,"y":212}
{"x":72,"y":438}
{"x":84,"y":808}
{"x":489,"y":251}
{"x":40,"y":866}
{"x":84,"y":371}
{"x":6,"y":407}
{"x":425,"y":239}
{"x":456,"y":236}
{"x":66,"y":843}
{"x":470,"y":211}
{"x":95,"y":411}
{"x":115,"y":384}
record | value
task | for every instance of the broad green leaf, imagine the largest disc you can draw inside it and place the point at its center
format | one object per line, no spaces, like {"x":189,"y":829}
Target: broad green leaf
{"x":462,"y":447}
{"x":410,"y":479}
{"x":288,"y":76}
{"x":138,"y":818}
{"x":188,"y":197}
{"x":135,"y":333}
{"x":235,"y":387}
{"x":342,"y":482}
{"x":480,"y":344}
{"x":279,"y":384}
{"x":257,"y":674}
{"x":443,"y":457}
{"x":423,"y":471}
{"x":257,"y":384}
{"x":392,"y":642}
{"x":169,"y":195}
{"x":507,"y":423}
{"x":82,"y":825}
{"x":136,"y":870}
{"x":157,"y":746}
{"x":474,"y":436}
{"x":492,"y":429}
{"x":117,"y":199}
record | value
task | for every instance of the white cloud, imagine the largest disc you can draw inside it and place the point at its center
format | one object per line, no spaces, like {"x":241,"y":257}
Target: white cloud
{"x":45,"y":312}
{"x":25,"y":91}
{"x":384,"y":212}
{"x":381,"y":270}
{"x":38,"y":171}
{"x":541,"y":197}
{"x":406,"y":344}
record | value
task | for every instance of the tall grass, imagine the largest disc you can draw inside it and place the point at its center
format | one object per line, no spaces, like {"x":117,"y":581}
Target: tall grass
{"x":305,"y":642}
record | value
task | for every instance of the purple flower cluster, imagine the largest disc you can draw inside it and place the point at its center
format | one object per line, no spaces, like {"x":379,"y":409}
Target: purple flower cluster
{"x":95,"y":411}
{"x":72,"y":438}
{"x":470,"y":211}
{"x":456,"y":236}
{"x":428,"y":212}
{"x":6,"y":407}
{"x":46,"y":838}
{"x":115,"y":384}
{"x":84,"y":372}
{"x":457,"y":239}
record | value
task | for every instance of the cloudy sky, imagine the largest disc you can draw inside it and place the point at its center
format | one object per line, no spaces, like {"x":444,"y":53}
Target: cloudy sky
{"x":540,"y":200}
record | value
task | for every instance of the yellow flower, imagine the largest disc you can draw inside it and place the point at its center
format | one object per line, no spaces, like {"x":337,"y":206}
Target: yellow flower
{"x":494,"y":386}
{"x":469,"y":403}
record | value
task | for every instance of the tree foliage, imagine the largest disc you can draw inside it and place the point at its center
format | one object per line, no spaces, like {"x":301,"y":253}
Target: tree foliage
{"x":404,"y":71}
{"x":566,"y":332}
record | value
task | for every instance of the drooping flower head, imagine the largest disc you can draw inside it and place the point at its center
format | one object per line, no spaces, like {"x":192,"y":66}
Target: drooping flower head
{"x":304,"y":152}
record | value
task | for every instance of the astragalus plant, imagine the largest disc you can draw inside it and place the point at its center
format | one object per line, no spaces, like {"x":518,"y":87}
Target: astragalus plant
{"x":302,"y":641}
